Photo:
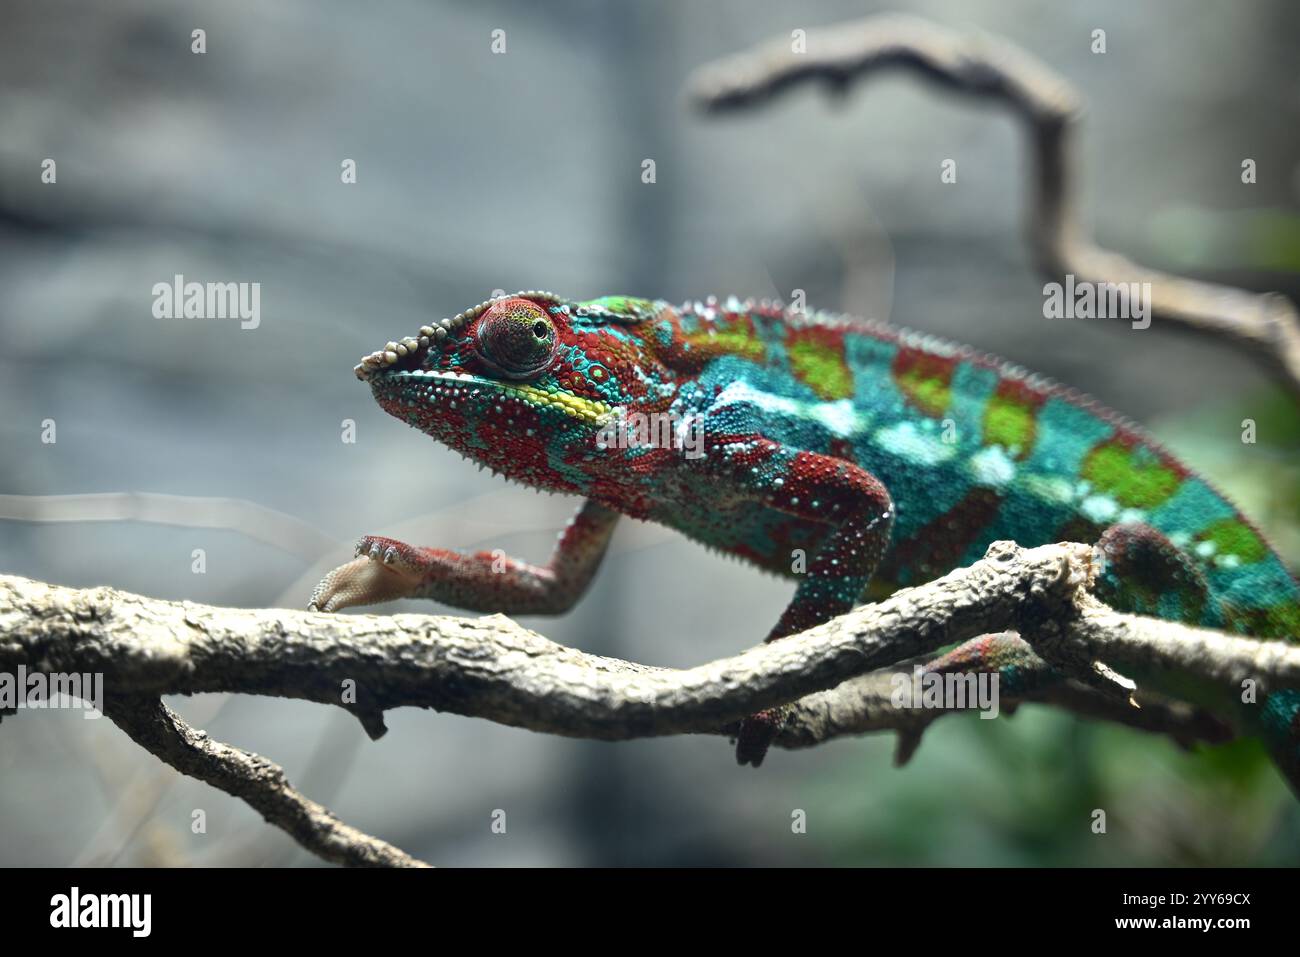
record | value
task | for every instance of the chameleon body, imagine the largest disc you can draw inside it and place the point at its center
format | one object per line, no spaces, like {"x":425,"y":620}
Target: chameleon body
{"x":884,"y":458}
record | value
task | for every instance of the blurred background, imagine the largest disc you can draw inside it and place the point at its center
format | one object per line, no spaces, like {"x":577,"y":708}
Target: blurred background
{"x":479,"y":171}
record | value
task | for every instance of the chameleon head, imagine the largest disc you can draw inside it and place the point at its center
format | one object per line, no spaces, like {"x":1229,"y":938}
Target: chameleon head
{"x":524,"y":384}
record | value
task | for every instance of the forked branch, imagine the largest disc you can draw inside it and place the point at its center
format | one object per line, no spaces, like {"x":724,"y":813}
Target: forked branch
{"x":985,"y":66}
{"x":493,"y":668}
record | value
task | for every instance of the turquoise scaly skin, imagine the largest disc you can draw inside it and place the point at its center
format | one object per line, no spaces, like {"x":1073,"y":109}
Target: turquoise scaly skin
{"x":852,"y":456}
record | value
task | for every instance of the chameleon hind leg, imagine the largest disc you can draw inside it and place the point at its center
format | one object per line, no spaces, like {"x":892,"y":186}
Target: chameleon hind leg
{"x":385,"y":569}
{"x":1005,"y":654}
{"x":819,"y":488}
{"x":1145,"y":573}
{"x":1142,"y":572}
{"x":1023,"y":676}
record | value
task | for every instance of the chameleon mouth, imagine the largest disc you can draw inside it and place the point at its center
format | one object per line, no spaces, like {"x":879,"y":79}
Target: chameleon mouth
{"x":406,"y":354}
{"x":438,"y":387}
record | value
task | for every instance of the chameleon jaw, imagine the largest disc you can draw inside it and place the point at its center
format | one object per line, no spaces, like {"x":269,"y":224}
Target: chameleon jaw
{"x":438,"y":385}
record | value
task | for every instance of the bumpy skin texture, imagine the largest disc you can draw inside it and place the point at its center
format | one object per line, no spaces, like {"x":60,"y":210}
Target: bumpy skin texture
{"x":852,"y":456}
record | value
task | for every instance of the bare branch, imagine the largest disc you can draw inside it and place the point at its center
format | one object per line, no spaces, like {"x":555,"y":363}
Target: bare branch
{"x":991,"y":68}
{"x":251,"y":777}
{"x":1153,"y":645}
{"x":254,"y":521}
{"x":865,"y":704}
{"x":492,"y":668}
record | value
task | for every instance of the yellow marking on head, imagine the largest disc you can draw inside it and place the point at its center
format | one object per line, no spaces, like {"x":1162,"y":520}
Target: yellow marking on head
{"x":592,"y":410}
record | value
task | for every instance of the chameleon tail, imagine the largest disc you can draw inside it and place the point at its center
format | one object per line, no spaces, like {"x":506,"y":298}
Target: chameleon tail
{"x":1277,"y":722}
{"x":1144,"y":572}
{"x":1223,"y":576}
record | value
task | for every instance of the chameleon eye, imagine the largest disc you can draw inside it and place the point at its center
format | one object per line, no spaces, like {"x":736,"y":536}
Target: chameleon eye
{"x":516,"y":338}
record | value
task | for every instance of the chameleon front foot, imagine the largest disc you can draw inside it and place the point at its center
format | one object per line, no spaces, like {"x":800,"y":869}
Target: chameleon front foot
{"x":757,"y":733}
{"x":384,"y":569}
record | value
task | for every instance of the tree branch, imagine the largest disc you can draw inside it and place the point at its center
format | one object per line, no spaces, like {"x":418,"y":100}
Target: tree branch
{"x":493,"y":668}
{"x":865,"y":704}
{"x":262,"y":784}
{"x":991,"y":68}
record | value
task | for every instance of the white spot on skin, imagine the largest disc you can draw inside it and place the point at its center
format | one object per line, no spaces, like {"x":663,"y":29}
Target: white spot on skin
{"x":1099,"y":508}
{"x":1205,"y":549}
{"x":840,"y":418}
{"x":905,"y":441}
{"x":992,"y":467}
{"x":1050,"y":489}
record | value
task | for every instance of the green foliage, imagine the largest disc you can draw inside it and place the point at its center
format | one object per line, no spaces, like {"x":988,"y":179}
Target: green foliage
{"x":1023,"y":790}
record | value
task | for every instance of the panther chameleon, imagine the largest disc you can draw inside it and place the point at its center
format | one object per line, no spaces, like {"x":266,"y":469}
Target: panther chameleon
{"x":887,"y":457}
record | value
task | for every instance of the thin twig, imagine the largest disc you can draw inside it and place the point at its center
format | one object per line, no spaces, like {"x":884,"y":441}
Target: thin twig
{"x":985,"y":66}
{"x":252,"y":778}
